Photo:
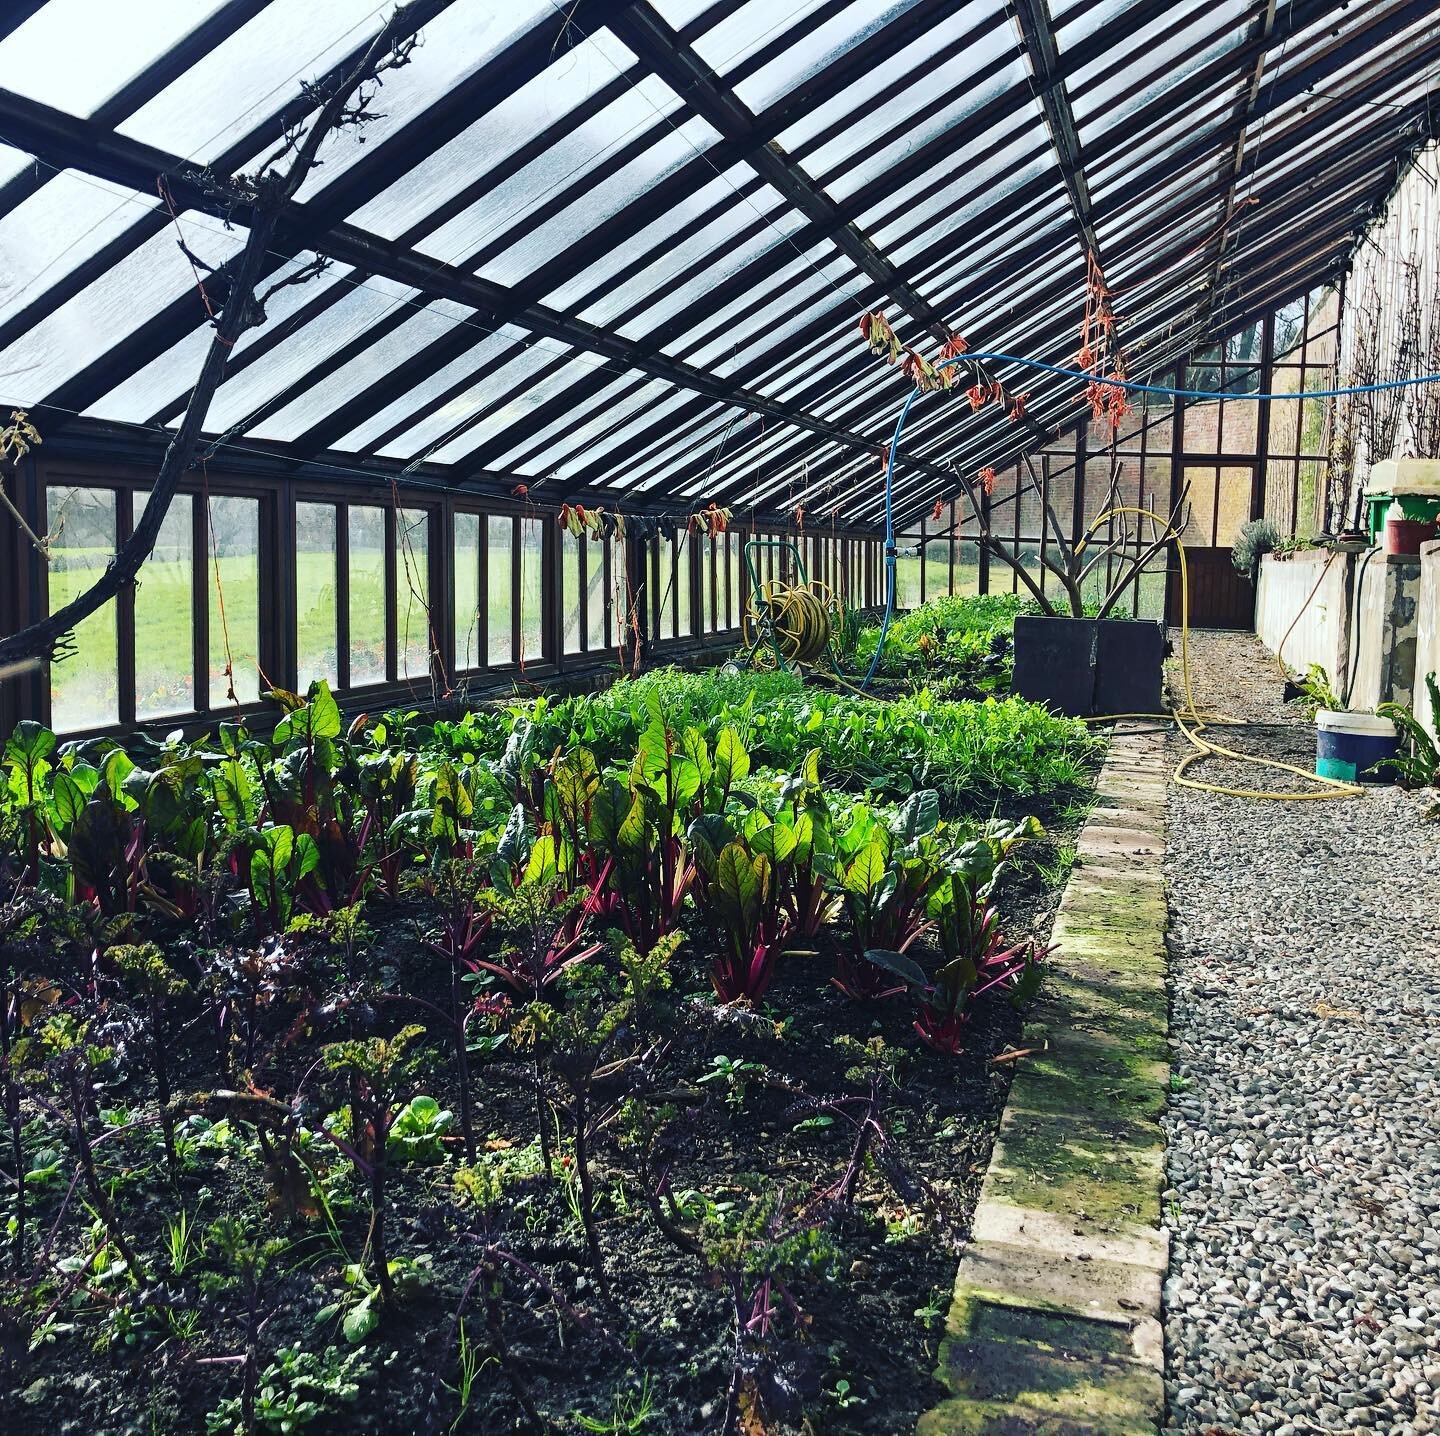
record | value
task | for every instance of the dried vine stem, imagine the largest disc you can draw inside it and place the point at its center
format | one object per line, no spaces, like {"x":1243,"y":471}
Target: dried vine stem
{"x":1072,"y":564}
{"x":262,"y":201}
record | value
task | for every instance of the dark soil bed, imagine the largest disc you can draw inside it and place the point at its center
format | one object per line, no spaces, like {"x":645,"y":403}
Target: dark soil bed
{"x":853,"y":1355}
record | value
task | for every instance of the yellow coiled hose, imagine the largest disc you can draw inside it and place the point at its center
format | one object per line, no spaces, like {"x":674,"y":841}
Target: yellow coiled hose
{"x":797,"y":621}
{"x":1192,"y":723}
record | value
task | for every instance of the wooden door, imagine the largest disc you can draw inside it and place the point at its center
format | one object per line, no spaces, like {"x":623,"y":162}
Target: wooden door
{"x":1222,"y":495}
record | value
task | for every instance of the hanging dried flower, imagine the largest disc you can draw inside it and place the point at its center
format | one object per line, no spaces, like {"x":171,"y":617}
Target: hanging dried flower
{"x":987,"y":479}
{"x":953,"y":347}
{"x":977,"y":394}
{"x":799,"y":518}
{"x":879,"y":335}
{"x":17,"y":437}
{"x":922,"y":373}
{"x":1017,"y":406}
{"x":938,"y":509}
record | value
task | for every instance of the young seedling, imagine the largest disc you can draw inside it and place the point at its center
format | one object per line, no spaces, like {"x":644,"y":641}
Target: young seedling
{"x":383,"y":1068}
{"x":156,"y":985}
{"x":602,"y":1033}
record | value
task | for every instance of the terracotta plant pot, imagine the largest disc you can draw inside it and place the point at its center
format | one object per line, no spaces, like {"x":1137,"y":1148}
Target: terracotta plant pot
{"x":1404,"y":536}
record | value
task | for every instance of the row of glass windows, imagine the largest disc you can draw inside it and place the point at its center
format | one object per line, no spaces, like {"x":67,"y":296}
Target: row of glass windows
{"x":192,"y":638}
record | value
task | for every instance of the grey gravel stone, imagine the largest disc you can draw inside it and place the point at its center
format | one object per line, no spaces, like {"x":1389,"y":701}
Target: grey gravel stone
{"x":1304,"y":1150}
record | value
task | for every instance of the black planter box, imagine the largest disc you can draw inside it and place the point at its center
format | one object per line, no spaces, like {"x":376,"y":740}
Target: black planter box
{"x":1089,"y":667}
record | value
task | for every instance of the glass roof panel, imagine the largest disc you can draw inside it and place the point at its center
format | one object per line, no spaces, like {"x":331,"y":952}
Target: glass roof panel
{"x":68,"y":219}
{"x":602,"y":437}
{"x":714,"y":252}
{"x":364,"y":370}
{"x":856,"y":102}
{"x":498,"y":133}
{"x":599,"y":203}
{"x":817,"y":50}
{"x":518,"y":404}
{"x":113,"y":307}
{"x":748,"y":27}
{"x":920,"y":114}
{"x":13,"y":162}
{"x":489,"y":349}
{"x":456,"y":43}
{"x":801,"y":275}
{"x":294,"y":357}
{"x":545,"y":447}
{"x":104,"y":44}
{"x":1160,"y":50}
{"x":486,"y":391}
{"x":725,"y":193}
{"x":737,"y":331}
{"x":714,"y":280}
{"x":250,"y":76}
{"x":166,"y":378}
{"x":506,"y":207}
{"x":1075,"y":22}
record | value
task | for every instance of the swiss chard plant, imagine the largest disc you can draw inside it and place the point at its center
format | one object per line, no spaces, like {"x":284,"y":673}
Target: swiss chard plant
{"x":974,"y":958}
{"x":887,"y":869}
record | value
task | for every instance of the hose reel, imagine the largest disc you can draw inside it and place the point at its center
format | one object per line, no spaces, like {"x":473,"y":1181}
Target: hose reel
{"x":786,"y":624}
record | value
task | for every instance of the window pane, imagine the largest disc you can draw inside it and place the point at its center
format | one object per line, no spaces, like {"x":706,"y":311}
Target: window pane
{"x":597,"y":629}
{"x":907,"y":574}
{"x":234,"y":601}
{"x":937,"y":568}
{"x":1234,"y":504}
{"x":738,"y":582}
{"x":317,"y":616}
{"x":412,"y":595}
{"x":84,"y":684}
{"x":467,"y":590}
{"x":664,"y":604}
{"x":500,"y":606}
{"x":532,"y":626}
{"x":572,"y":562}
{"x":683,"y":587}
{"x":164,"y":614}
{"x":367,"y":596}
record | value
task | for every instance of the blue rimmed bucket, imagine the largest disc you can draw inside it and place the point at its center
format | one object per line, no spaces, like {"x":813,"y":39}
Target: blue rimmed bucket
{"x":1349,"y":746}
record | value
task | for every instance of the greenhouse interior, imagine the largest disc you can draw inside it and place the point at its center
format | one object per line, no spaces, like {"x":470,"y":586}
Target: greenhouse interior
{"x":705,"y":710}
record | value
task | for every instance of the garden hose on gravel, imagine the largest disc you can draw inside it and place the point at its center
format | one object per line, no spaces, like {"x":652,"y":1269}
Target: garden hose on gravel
{"x":1192,"y":723}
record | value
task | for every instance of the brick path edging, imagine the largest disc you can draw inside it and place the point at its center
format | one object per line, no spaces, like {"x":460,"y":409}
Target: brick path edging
{"x":1054,"y":1327}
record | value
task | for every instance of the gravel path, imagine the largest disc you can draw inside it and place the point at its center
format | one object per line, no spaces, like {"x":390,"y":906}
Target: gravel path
{"x":1304,"y":1129}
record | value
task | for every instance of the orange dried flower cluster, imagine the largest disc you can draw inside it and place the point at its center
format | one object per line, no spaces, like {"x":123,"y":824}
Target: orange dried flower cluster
{"x":710,"y":521}
{"x":1099,"y":352}
{"x":879,"y":335}
{"x":576,"y":519}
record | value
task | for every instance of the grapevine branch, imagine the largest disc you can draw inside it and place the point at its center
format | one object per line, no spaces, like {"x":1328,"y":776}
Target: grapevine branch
{"x":263,"y":198}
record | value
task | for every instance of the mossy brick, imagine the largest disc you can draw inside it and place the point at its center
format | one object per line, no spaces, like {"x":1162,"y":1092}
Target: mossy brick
{"x":1054,"y":1083}
{"x":963,"y":1417}
{"x":1034,"y":1277}
{"x":1107,"y":1000}
{"x":1107,"y":1168}
{"x":1061,"y":1239}
{"x":1059,"y":1332}
{"x":1105,"y":1390}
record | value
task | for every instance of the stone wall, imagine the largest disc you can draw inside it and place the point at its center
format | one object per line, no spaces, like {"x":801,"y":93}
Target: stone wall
{"x":1385,"y":632}
{"x":1427,"y":639}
